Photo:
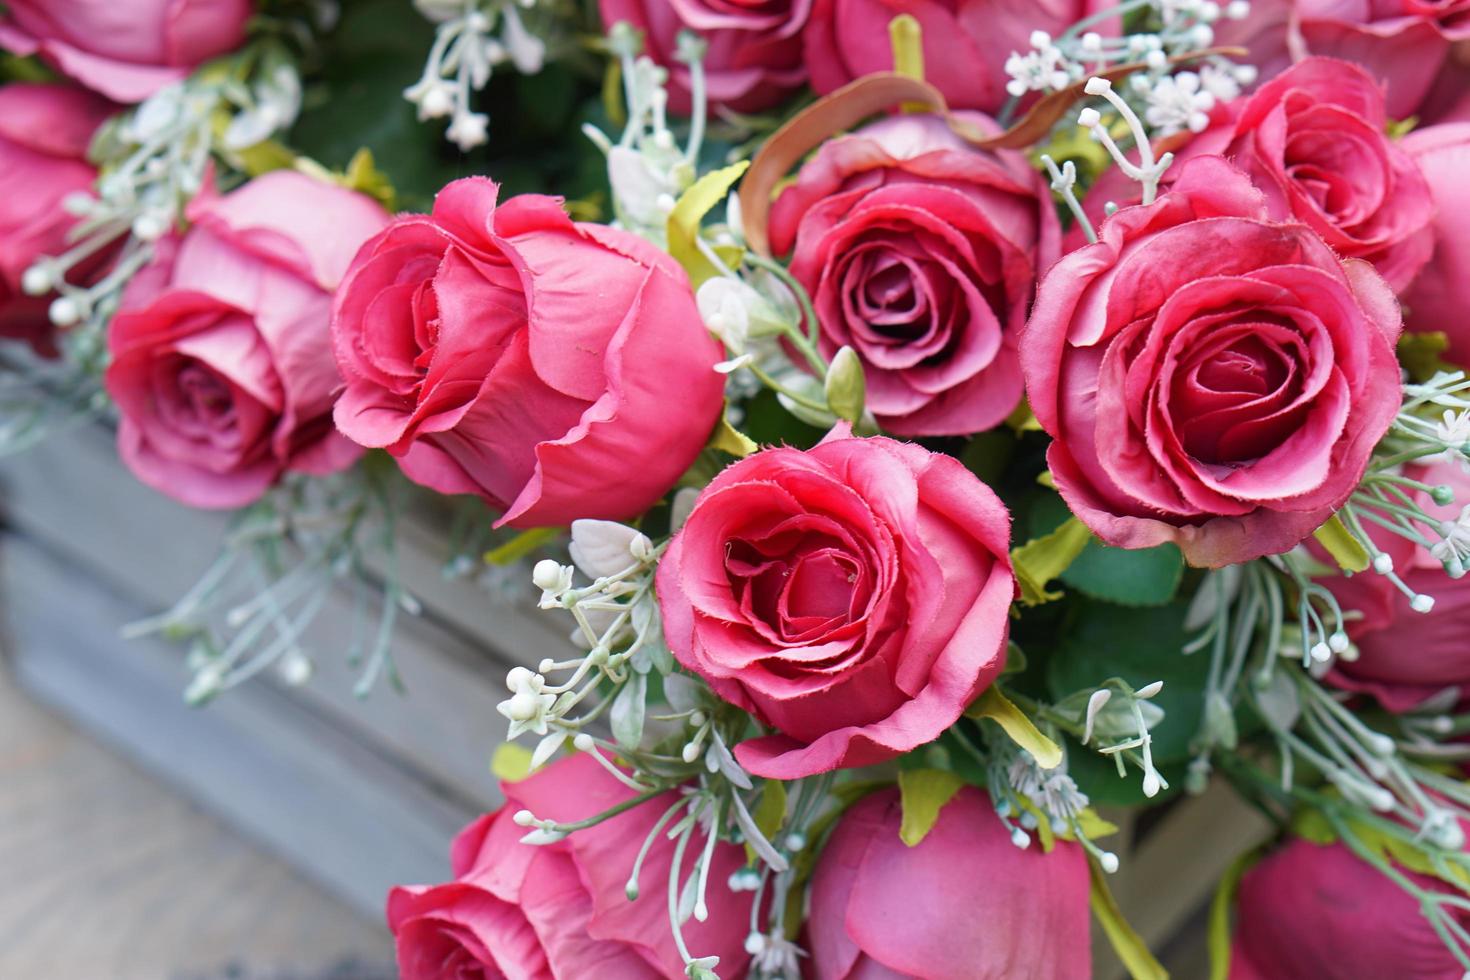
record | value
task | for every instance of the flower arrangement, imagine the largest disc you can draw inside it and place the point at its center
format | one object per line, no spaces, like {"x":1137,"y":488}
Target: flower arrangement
{"x":932,"y":426}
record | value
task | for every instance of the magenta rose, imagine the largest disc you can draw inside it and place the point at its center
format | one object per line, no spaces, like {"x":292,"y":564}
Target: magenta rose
{"x":1440,"y":296}
{"x":754,"y":56}
{"x":44,"y":134}
{"x":1313,"y":910}
{"x":854,"y":598}
{"x":558,"y":370}
{"x":963,"y":904}
{"x":1209,"y":376}
{"x":1408,"y":46}
{"x":222,"y":364}
{"x":1401,"y":656}
{"x":966,"y":42}
{"x":125,"y":49}
{"x":558,"y":911}
{"x":921,"y":253}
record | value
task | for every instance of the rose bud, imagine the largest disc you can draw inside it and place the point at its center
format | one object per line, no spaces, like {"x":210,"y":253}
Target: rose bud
{"x":965,"y":903}
{"x":557,"y":370}
{"x":125,"y":49}
{"x":853,"y":597}
{"x":222,"y":365}
{"x":1209,"y":376}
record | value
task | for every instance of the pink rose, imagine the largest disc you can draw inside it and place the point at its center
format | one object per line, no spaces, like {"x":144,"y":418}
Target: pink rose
{"x":125,"y":49}
{"x":1407,"y":45}
{"x":1312,"y":910}
{"x":922,"y":254}
{"x":966,"y":42}
{"x":557,"y":370}
{"x":754,"y":57}
{"x":964,"y":904}
{"x":1403,"y":657}
{"x":1314,"y":140}
{"x":1209,"y":376}
{"x":854,"y":598}
{"x":221,"y":352}
{"x":558,"y":911}
{"x":44,"y":134}
{"x":1440,"y":296}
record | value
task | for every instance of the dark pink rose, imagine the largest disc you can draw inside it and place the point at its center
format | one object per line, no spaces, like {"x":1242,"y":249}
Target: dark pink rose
{"x":1440,"y":296}
{"x":853,"y":597}
{"x":1401,"y":656}
{"x":222,"y":364}
{"x":557,"y":370}
{"x":1314,"y":140}
{"x":558,"y":911}
{"x":1407,"y":45}
{"x":754,"y":57}
{"x":125,"y":49}
{"x":1209,"y":376}
{"x":966,"y":42}
{"x":964,"y":904}
{"x":1313,"y":910}
{"x":44,"y":134}
{"x":922,"y":254}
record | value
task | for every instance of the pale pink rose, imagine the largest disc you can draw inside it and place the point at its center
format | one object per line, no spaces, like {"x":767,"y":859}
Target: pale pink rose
{"x":1439,"y":298}
{"x":1405,"y":656}
{"x":854,"y":598}
{"x":921,"y":253}
{"x":966,"y":42}
{"x":559,"y":911}
{"x":125,"y":49}
{"x":1209,"y":376}
{"x":1313,"y":910}
{"x":44,"y":134}
{"x":964,"y":904}
{"x":1314,"y":140}
{"x":754,"y":56}
{"x":222,"y":364}
{"x":557,"y":370}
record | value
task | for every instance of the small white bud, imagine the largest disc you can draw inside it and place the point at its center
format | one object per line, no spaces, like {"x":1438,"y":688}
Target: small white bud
{"x":1238,"y":9}
{"x":690,"y":752}
{"x":1149,"y":690}
{"x":523,"y":705}
{"x":547,"y":575}
{"x":697,"y":719}
{"x":1040,"y":40}
{"x":1150,"y":784}
{"x":1321,"y":653}
{"x":1097,"y":86}
{"x":437,"y":102}
{"x":1383,"y":563}
{"x":519,"y":677}
{"x":1089,"y":118}
{"x":1338,"y":642}
{"x":36,"y":281}
{"x":524,"y":818}
{"x":795,"y":842}
{"x":583,"y":742}
{"x":65,"y":312}
{"x":1108,"y":861}
{"x":1157,"y":60}
{"x":1092,"y":43}
{"x":1020,"y":838}
{"x":149,"y":226}
{"x":755,"y":944}
{"x":295,"y":669}
{"x":1422,"y":603}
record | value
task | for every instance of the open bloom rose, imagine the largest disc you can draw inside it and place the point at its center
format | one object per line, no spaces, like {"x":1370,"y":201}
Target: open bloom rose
{"x":558,"y":370}
{"x":44,"y":134}
{"x":1440,"y":296}
{"x":966,"y":42}
{"x":922,"y":254}
{"x":754,"y":56}
{"x":1408,"y":46}
{"x":1400,"y":655}
{"x":1209,"y":376}
{"x":543,"y":912}
{"x":125,"y":49}
{"x":222,"y":364}
{"x":963,"y":904}
{"x":1314,"y":140}
{"x":853,"y":597}
{"x":1313,"y":910}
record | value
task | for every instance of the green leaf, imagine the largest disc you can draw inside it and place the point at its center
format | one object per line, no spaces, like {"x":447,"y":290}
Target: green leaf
{"x":1042,"y":559}
{"x":522,"y":545}
{"x":511,"y":762}
{"x":1220,"y":906}
{"x":1128,"y":577}
{"x":1345,"y":549}
{"x":923,"y":793}
{"x":998,"y":708}
{"x":688,"y":214}
{"x":1126,"y":942}
{"x":728,"y":439}
{"x":628,"y":710}
{"x":1421,"y":354}
{"x":769,"y":813}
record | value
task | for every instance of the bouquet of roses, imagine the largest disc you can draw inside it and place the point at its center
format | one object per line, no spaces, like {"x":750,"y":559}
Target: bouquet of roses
{"x":933,"y":421}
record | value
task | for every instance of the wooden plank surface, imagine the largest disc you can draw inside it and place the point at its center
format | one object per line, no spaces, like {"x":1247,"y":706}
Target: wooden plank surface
{"x":110,"y":876}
